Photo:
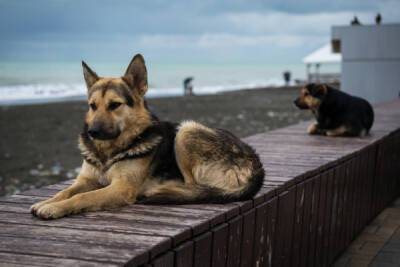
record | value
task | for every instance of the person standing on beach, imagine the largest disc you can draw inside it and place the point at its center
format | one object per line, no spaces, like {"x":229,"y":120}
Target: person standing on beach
{"x":286,"y":76}
{"x":355,"y":21}
{"x":378,"y":19}
{"x":188,"y":86}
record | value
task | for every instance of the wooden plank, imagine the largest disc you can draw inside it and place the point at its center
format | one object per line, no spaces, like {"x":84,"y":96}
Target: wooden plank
{"x":247,"y":238}
{"x":184,"y":255}
{"x":154,"y":244}
{"x":334,"y":214}
{"x":314,"y":220}
{"x":202,"y":250}
{"x":220,"y":245}
{"x":96,"y":221}
{"x":18,"y":259}
{"x":298,"y":224}
{"x":392,"y":184}
{"x":244,"y":206}
{"x":308,"y":188}
{"x":260,"y":235}
{"x":234,"y":242}
{"x":272,"y":213}
{"x":73,"y":250}
{"x":210,"y":214}
{"x":340,"y":206}
{"x":365,"y":192}
{"x":165,"y":260}
{"x":215,"y":213}
{"x":353,"y":197}
{"x":358,"y":194}
{"x":347,"y":204}
{"x":197,"y":219}
{"x":327,"y":218}
{"x":377,"y":179}
{"x":284,"y":228}
{"x":319,"y":246}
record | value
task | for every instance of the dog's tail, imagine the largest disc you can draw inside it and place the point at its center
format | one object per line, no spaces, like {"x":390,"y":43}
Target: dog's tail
{"x":176,"y":192}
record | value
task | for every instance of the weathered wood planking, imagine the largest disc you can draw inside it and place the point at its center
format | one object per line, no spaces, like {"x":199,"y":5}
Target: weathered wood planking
{"x":318,"y":194}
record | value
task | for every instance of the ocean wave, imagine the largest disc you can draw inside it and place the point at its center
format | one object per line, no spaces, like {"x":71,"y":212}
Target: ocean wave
{"x":43,"y":93}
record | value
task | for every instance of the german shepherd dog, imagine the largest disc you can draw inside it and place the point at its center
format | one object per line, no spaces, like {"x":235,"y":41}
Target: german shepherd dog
{"x":337,"y":113}
{"x":129,"y":155}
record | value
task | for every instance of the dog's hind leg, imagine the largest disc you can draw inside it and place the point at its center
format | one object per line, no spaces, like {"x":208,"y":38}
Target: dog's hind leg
{"x":339,"y":131}
{"x":186,"y":141}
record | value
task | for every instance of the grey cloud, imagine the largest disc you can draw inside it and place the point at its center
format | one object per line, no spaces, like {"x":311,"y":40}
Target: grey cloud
{"x":175,"y":30}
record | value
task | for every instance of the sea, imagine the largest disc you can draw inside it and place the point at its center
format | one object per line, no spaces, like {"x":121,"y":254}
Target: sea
{"x":42,"y":82}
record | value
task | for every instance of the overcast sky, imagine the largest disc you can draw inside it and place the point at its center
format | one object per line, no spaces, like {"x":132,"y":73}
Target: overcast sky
{"x":177,"y":31}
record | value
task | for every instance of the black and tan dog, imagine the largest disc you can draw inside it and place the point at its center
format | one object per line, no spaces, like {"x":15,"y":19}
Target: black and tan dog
{"x":129,"y":154}
{"x":337,"y":113}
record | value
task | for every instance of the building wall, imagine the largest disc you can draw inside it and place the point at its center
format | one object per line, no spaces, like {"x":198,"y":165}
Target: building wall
{"x":370,"y":60}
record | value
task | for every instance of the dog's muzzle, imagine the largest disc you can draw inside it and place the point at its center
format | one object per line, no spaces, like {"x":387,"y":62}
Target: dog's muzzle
{"x":101,"y":134}
{"x":299,"y":104}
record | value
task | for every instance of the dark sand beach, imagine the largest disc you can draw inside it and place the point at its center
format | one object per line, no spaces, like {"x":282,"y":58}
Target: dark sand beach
{"x":39,"y":142}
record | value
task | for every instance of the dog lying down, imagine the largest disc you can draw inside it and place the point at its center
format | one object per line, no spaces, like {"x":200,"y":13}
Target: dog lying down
{"x":337,"y":113}
{"x":130,"y":155}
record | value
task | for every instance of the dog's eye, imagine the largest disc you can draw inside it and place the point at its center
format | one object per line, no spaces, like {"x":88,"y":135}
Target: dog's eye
{"x":93,"y":106}
{"x":114,"y":105}
{"x":306,"y":93}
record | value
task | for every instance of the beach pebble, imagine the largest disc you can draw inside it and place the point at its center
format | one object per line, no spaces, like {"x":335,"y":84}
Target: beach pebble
{"x":56,"y":169}
{"x":70,"y":174}
{"x":34,"y":172}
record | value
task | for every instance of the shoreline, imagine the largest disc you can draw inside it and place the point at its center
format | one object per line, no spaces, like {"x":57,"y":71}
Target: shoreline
{"x":39,"y":142}
{"x":45,"y":97}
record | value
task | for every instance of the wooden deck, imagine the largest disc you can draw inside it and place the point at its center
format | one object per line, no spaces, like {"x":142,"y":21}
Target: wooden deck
{"x":319,"y":193}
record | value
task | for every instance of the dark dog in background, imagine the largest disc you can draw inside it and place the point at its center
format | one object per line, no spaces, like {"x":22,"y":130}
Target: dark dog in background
{"x":337,"y":113}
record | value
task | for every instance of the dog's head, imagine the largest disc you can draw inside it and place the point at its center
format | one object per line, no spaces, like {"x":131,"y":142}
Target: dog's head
{"x":116,"y":105}
{"x":311,"y":96}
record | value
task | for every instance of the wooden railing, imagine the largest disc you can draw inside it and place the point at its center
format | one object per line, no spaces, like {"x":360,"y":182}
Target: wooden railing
{"x":318,"y":194}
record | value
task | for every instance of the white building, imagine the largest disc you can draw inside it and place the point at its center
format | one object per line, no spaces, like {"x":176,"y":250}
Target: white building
{"x":319,"y":59}
{"x":370,"y":60}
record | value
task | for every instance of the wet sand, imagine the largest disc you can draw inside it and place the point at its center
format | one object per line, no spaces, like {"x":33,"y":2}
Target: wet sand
{"x":39,"y":142}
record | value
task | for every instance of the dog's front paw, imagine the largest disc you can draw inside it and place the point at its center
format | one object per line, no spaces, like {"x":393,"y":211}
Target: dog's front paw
{"x":50,"y":211}
{"x":313,"y":129}
{"x":35,"y":207}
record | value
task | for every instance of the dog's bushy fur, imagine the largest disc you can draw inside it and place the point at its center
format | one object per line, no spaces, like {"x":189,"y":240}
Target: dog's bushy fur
{"x":130,"y":155}
{"x":336,"y":112}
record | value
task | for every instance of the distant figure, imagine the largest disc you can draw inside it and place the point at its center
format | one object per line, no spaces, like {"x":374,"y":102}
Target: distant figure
{"x":286,"y":77}
{"x":188,"y":86}
{"x":378,"y":19}
{"x":355,"y":21}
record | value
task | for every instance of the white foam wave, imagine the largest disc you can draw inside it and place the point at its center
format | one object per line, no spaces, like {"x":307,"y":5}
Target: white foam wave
{"x":43,"y":93}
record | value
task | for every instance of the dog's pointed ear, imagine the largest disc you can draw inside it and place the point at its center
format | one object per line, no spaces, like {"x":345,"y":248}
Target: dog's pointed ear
{"x":136,"y":75}
{"x":322,"y":89}
{"x":318,"y":90}
{"x":89,"y":75}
